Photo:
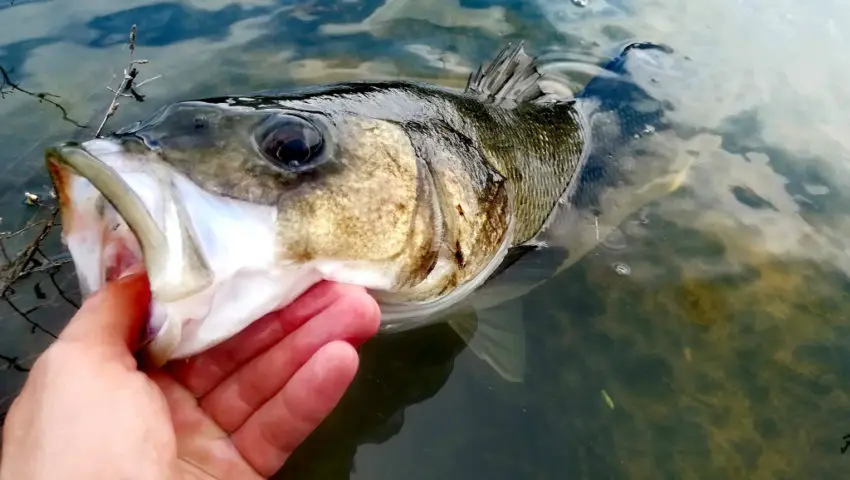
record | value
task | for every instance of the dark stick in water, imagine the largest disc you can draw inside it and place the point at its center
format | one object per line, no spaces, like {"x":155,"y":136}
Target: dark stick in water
{"x":7,"y":86}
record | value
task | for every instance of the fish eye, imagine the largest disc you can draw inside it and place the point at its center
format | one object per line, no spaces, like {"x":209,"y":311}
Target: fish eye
{"x":291,"y":143}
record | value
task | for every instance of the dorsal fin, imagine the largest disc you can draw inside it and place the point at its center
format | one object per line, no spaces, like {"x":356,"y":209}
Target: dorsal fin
{"x":508,"y":80}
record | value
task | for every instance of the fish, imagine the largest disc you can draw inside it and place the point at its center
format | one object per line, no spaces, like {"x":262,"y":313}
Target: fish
{"x":423,"y":194}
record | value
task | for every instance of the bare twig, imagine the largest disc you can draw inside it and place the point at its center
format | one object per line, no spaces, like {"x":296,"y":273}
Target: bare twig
{"x":50,"y":267}
{"x":25,"y":315}
{"x":28,"y":226}
{"x":4,"y":252}
{"x":7,"y":86}
{"x":128,"y":86}
{"x":21,"y":265}
{"x":18,"y":266}
{"x":58,"y":288}
{"x":13,"y":363}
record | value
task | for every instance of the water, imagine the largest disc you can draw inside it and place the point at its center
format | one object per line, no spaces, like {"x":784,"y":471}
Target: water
{"x":722,"y":351}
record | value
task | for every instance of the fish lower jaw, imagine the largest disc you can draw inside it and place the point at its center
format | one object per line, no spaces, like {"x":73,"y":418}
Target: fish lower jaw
{"x":236,"y":299}
{"x":186,"y":327}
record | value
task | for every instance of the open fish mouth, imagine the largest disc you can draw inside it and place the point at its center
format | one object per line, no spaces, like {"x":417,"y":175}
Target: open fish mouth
{"x":116,"y":213}
{"x":115,"y":216}
{"x":210,"y":260}
{"x":101,"y":243}
{"x":99,"y":239}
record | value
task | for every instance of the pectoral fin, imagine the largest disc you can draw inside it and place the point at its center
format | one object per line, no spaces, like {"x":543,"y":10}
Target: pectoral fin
{"x":499,"y":338}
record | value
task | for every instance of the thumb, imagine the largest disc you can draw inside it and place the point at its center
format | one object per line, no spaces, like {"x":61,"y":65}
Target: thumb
{"x":114,"y":315}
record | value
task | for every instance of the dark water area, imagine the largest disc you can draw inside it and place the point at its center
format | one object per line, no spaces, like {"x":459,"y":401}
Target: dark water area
{"x":706,"y":336}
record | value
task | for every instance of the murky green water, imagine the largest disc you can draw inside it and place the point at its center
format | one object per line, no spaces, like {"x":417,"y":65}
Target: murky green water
{"x":724,"y":353}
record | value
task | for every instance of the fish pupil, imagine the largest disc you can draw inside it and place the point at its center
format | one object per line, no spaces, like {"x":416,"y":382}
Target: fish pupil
{"x":292,"y":143}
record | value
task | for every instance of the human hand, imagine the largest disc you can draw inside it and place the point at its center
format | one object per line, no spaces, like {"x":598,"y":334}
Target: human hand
{"x":235,"y":411}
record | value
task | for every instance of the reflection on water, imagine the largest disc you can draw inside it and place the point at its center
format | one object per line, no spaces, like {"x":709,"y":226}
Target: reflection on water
{"x":713,"y":319}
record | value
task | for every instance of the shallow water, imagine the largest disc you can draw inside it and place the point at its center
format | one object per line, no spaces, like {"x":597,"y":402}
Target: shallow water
{"x":714,"y":319}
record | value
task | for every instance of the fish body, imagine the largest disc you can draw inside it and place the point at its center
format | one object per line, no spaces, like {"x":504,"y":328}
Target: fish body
{"x":422,"y":194}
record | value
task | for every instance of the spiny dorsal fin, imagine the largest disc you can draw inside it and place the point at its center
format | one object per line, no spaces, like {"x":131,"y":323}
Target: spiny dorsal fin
{"x":510,"y":79}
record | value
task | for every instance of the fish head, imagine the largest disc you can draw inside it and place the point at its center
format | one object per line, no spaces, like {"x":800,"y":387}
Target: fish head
{"x":236,"y":209}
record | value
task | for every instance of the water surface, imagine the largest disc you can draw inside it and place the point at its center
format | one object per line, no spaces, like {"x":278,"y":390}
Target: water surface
{"x":723,"y":352}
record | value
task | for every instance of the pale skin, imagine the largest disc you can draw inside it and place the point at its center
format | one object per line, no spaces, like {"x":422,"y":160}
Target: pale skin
{"x":235,"y":411}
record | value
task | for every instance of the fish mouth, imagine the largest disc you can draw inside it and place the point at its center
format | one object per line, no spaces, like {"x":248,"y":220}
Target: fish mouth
{"x":107,"y":250}
{"x":211,"y":260}
{"x":118,"y":210}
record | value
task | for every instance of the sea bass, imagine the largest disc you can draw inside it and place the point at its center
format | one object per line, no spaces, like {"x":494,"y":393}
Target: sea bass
{"x":420,"y":193}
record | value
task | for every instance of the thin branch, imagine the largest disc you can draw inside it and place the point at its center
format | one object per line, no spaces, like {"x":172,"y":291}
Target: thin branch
{"x":128,"y":86}
{"x":7,"y":85}
{"x":13,"y":363}
{"x":4,"y":252}
{"x":18,"y":266}
{"x":143,"y":82}
{"x":29,"y":226}
{"x":25,"y":315}
{"x":58,"y":288}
